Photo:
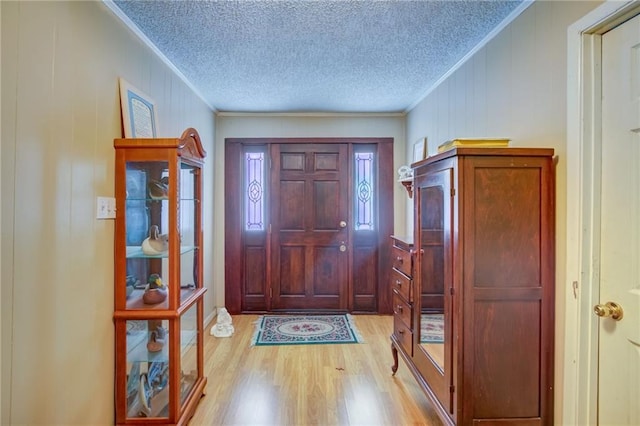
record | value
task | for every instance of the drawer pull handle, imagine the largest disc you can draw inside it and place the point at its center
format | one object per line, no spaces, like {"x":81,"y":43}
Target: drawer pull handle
{"x":400,"y":308}
{"x":399,"y":283}
{"x":399,"y":259}
{"x":400,"y":331}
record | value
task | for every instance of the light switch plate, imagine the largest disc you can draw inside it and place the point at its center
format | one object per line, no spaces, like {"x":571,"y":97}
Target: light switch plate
{"x":106,"y":208}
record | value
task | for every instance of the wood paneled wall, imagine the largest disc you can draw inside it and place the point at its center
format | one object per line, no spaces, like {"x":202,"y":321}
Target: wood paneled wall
{"x":515,"y":87}
{"x":60,"y":113}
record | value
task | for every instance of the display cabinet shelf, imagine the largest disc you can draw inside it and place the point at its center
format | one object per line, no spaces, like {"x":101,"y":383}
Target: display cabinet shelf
{"x":136,"y":252}
{"x":137,"y":347}
{"x":156,"y":200}
{"x":135,"y":302}
{"x":158,"y":297}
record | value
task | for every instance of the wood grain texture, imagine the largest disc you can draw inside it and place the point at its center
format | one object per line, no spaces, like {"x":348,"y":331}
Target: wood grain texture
{"x":347,"y":384}
{"x":297,"y":264}
{"x":498,"y":276}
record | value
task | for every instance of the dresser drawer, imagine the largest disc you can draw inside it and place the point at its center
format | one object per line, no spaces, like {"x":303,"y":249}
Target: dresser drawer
{"x":403,"y":334}
{"x":402,"y":309}
{"x":401,"y":284}
{"x":401,"y":260}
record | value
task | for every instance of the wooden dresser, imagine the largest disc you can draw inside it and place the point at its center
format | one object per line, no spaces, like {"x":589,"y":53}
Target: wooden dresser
{"x":401,"y":278}
{"x":474,"y":294}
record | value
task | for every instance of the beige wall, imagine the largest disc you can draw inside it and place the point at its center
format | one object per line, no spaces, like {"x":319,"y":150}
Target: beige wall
{"x":514,"y":87}
{"x":230,"y":125}
{"x":60,"y":113}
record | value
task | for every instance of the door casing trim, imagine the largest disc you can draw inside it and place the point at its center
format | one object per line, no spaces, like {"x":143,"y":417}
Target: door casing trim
{"x":578,"y":394}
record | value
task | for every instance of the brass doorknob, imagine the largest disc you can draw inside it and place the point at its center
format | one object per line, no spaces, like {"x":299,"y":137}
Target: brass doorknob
{"x":610,"y":309}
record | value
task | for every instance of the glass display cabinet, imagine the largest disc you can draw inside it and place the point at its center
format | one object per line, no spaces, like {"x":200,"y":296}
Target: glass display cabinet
{"x":158,"y":279}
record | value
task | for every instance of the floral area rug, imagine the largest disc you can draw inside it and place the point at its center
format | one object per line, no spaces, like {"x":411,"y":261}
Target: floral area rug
{"x":304,"y":330}
{"x":432,"y":328}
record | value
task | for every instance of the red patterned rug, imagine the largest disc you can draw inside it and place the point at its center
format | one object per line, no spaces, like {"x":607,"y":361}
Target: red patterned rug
{"x":305,"y":329}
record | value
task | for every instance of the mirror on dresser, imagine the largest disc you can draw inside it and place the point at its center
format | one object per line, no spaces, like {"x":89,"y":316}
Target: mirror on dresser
{"x":433,"y":282}
{"x":431,"y":239}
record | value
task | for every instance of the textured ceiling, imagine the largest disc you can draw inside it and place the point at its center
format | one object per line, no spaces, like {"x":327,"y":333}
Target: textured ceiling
{"x":315,"y":56}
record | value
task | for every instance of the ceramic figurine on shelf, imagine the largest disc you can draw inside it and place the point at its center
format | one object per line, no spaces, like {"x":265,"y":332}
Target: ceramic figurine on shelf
{"x":156,"y":291}
{"x":405,"y":173}
{"x":144,"y":396}
{"x":157,"y":338}
{"x":155,"y":243}
{"x":131,"y":284}
{"x":224,"y":326}
{"x":159,"y":190}
{"x":150,"y":384}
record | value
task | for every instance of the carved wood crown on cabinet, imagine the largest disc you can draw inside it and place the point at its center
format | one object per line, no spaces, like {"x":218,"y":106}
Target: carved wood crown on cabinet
{"x":483,"y":257}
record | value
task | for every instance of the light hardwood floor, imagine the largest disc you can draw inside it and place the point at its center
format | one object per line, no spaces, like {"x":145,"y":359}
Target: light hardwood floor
{"x":348,"y":384}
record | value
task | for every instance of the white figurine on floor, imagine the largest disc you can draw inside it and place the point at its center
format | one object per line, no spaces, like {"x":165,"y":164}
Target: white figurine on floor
{"x":223,"y":327}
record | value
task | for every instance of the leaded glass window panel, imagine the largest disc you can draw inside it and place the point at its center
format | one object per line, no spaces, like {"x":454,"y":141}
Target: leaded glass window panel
{"x":254,"y":199}
{"x":364,"y":191}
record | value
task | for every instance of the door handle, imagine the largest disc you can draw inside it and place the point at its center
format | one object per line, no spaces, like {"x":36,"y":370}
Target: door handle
{"x":343,"y":224}
{"x":343,"y":246}
{"x":609,"y":309}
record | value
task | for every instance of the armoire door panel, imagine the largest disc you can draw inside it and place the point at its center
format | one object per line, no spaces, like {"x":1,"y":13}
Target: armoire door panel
{"x":506,"y":380}
{"x":507,"y":242}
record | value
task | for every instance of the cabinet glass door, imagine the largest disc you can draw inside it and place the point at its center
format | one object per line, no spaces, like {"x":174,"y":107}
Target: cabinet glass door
{"x":433,"y":298}
{"x":147,"y":219}
{"x":188,"y":352}
{"x":147,"y":227}
{"x":188,"y":225}
{"x":147,"y":382}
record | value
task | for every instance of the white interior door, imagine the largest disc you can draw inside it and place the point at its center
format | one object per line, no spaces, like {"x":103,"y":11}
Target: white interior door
{"x":619,"y":341}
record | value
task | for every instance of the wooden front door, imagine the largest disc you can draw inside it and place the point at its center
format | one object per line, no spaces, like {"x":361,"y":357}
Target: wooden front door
{"x":307,"y":224}
{"x":309,"y":234}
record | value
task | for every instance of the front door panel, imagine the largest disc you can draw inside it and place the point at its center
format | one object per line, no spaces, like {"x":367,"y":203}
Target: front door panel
{"x":309,"y":247}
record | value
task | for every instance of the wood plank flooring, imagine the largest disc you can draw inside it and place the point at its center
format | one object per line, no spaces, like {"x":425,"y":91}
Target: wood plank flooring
{"x":347,"y":384}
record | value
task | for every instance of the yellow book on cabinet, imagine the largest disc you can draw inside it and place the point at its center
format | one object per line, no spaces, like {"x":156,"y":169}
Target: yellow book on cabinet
{"x":475,"y":143}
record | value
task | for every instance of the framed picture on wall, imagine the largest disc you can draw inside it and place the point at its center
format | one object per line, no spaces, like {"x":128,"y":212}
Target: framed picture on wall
{"x":138,"y":112}
{"x":420,"y":149}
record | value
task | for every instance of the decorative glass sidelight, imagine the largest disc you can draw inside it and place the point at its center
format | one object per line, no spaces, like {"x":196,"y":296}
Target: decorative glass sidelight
{"x":364,"y":191}
{"x":254,"y":200}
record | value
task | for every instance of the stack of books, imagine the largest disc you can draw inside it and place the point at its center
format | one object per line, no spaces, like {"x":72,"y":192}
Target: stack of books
{"x":474,"y":143}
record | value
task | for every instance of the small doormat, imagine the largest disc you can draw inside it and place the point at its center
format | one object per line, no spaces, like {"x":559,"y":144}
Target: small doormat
{"x":304,"y":330}
{"x":432,"y":328}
